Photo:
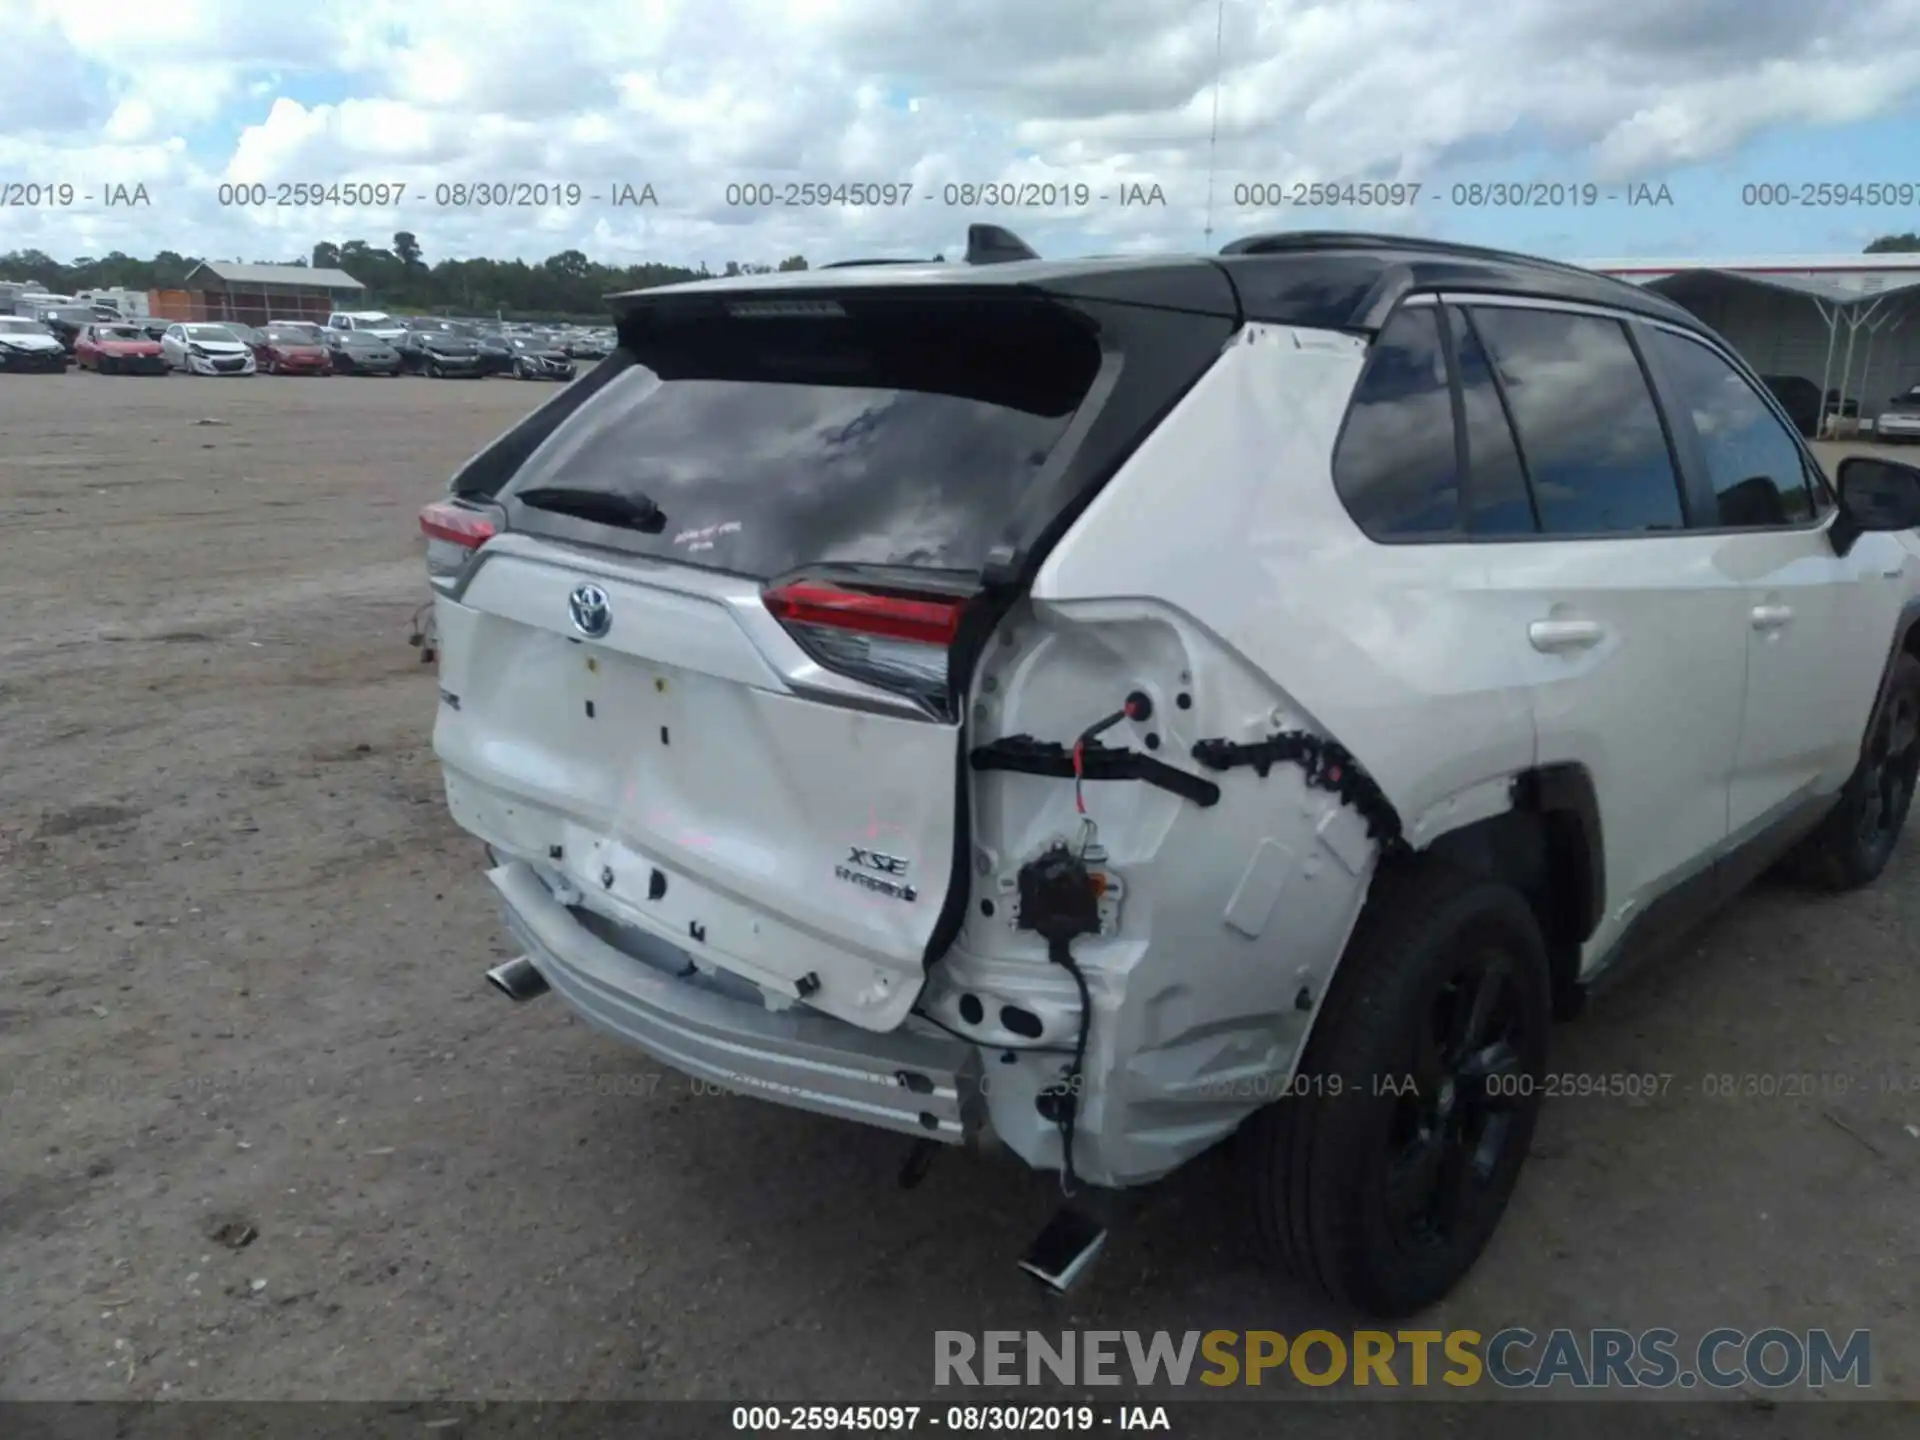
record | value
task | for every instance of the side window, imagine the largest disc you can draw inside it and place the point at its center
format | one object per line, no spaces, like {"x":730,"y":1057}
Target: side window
{"x":1589,"y":434}
{"x":1758,"y":475}
{"x":1394,"y":468}
{"x":1497,"y":498}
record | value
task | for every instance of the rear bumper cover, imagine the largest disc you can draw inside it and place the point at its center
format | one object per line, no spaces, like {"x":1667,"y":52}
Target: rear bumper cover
{"x":643,"y":993}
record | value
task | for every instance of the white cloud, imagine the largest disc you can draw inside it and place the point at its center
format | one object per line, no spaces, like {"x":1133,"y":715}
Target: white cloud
{"x":691,"y":95}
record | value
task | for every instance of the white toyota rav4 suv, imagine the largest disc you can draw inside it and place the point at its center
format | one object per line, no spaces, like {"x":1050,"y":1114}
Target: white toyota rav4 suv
{"x":1116,"y":705}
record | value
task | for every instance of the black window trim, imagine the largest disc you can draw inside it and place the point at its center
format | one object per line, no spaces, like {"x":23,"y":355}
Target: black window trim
{"x":1689,"y":467}
{"x":1457,"y":405}
{"x":1825,"y":506}
{"x":1506,"y":414}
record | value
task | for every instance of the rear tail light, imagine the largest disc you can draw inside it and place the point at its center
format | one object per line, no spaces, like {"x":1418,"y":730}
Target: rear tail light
{"x":454,"y":531}
{"x":902,"y":643}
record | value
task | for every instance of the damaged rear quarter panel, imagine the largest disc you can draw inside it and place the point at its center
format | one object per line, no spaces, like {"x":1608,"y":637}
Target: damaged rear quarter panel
{"x":1270,"y":610}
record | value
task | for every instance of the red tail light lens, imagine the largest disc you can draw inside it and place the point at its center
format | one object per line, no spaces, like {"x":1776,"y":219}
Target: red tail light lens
{"x":901,"y":643}
{"x":454,"y":531}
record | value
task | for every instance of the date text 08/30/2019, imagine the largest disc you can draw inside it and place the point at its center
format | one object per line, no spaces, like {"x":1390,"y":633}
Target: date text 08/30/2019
{"x":953,"y":1419}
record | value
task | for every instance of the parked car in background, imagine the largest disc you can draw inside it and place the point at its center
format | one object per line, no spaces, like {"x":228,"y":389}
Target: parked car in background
{"x":65,"y":322}
{"x":360,"y":352}
{"x":312,"y":329}
{"x":496,"y":352}
{"x":440,"y":354}
{"x":201,"y":348}
{"x":585,"y":345}
{"x":541,"y":359}
{"x":119,"y":348}
{"x":1800,"y":398}
{"x":371,"y":322}
{"x":285,"y":350}
{"x":1900,"y":421}
{"x":28,"y":345}
{"x":153,"y":326}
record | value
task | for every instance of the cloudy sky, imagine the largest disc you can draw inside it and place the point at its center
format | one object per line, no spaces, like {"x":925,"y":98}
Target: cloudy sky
{"x":1082,"y":104}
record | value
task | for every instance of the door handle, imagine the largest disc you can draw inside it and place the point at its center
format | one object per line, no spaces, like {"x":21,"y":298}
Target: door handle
{"x":1551,"y":636}
{"x":1771,"y":617}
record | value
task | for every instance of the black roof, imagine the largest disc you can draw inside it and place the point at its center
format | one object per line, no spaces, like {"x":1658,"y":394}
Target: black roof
{"x":1323,"y":279}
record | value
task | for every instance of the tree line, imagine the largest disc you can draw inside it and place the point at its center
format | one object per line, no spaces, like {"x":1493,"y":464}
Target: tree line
{"x":398,"y":277}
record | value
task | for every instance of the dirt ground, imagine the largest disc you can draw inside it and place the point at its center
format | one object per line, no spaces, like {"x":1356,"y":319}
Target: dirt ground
{"x":266,"y":1134}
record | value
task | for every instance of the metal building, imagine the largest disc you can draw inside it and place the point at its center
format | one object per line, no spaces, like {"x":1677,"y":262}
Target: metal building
{"x":1847,"y":323}
{"x":252,"y":294}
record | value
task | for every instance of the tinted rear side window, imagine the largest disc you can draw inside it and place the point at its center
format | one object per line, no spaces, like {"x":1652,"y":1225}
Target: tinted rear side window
{"x":1588,"y":430}
{"x":1395,"y":466}
{"x":895,"y":433}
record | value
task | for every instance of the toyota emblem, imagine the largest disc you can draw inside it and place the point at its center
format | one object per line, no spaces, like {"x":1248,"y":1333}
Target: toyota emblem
{"x":592,"y":615}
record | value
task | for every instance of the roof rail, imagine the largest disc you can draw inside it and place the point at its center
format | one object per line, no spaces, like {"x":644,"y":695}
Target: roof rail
{"x":993,"y":245}
{"x":846,"y":264}
{"x":1281,"y":242}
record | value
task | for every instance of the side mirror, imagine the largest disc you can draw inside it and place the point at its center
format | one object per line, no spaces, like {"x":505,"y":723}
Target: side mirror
{"x":1875,"y":495}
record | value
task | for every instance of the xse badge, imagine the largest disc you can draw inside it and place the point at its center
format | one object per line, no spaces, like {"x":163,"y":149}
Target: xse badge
{"x":871,"y":870}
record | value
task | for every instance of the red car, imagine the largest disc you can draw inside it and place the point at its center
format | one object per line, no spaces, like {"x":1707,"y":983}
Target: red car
{"x":118,"y":348}
{"x":290,"y":350}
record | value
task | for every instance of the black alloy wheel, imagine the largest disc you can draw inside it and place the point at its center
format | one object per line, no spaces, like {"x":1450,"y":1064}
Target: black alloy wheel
{"x":1452,"y":1133}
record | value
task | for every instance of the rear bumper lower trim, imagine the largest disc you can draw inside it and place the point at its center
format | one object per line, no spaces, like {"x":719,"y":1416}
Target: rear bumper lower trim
{"x":917,"y":1084}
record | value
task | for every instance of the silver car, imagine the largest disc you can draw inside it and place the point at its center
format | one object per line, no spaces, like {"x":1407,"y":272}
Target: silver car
{"x":1900,"y":421}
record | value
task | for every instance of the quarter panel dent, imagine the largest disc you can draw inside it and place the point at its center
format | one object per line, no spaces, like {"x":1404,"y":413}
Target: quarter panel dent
{"x":1270,"y":612}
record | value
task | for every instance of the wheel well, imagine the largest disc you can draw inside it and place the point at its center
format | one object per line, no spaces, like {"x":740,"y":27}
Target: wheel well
{"x":1547,"y":847}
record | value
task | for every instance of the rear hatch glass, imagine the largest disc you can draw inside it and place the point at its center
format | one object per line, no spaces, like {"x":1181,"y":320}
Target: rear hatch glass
{"x":766,"y":435}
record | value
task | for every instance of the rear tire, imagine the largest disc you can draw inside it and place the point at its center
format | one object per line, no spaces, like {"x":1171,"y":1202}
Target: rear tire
{"x":1383,"y":1175}
{"x":1854,"y":843}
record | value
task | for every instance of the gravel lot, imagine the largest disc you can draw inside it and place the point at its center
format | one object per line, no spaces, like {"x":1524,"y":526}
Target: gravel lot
{"x":268,"y":1135}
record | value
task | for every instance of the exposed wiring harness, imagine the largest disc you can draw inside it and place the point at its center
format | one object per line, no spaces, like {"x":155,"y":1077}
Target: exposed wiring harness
{"x":1327,"y":764}
{"x":1086,"y":759}
{"x":1060,"y":901}
{"x":1138,"y":706}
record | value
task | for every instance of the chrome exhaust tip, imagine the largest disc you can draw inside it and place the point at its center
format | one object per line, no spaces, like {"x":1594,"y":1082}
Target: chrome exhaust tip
{"x":518,"y":979}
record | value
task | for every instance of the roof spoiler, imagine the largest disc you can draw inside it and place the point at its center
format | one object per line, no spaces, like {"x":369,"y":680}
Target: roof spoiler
{"x":994,"y":245}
